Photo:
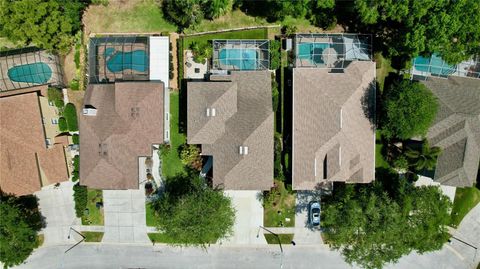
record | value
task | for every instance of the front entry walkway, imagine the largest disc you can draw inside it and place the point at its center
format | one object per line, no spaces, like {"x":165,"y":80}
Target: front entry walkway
{"x":125,"y":216}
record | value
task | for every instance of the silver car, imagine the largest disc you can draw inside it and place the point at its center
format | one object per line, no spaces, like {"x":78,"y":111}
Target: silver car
{"x":315,"y":213}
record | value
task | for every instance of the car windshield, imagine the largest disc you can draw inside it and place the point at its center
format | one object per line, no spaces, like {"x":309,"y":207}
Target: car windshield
{"x":315,"y":210}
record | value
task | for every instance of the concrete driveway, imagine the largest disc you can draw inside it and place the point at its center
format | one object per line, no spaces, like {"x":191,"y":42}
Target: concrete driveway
{"x":306,"y":234}
{"x":58,"y":208}
{"x":125,"y":216}
{"x":248,"y":218}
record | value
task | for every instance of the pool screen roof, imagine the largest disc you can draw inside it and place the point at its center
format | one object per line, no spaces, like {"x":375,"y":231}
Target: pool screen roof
{"x":29,"y":67}
{"x":114,"y":58}
{"x":434,"y":65}
{"x":241,"y":54}
{"x":334,"y":51}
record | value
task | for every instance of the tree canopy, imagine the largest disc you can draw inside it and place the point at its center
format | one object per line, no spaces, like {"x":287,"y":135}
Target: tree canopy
{"x":410,"y":28}
{"x":48,"y":24}
{"x":192,"y":213}
{"x":18,"y":229}
{"x":374,"y":224}
{"x":186,"y":13}
{"x":408,"y":111}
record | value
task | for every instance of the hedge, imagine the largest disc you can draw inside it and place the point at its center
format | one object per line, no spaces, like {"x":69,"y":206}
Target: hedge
{"x":76,"y":139}
{"x":80,"y":197}
{"x":62,"y":124}
{"x":70,"y":114}
{"x":76,"y":163}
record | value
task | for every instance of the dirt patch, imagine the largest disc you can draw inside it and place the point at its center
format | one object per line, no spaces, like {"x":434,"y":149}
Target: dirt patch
{"x":69,"y":68}
{"x":174,"y":80}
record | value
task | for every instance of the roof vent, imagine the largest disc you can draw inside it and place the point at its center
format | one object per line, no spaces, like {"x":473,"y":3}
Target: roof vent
{"x":211,"y":112}
{"x":89,"y":111}
{"x":243,"y":150}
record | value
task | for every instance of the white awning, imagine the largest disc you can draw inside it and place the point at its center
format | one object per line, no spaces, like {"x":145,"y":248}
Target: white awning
{"x":159,"y":59}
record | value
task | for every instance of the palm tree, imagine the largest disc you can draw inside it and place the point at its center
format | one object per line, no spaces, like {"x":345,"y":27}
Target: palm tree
{"x":423,"y":158}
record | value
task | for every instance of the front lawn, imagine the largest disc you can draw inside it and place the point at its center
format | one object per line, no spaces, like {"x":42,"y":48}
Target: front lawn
{"x":465,"y":200}
{"x":160,"y":238}
{"x":284,"y":238}
{"x":151,"y":215}
{"x":95,"y":215}
{"x":171,"y":163}
{"x":279,"y":205}
{"x":93,"y":236}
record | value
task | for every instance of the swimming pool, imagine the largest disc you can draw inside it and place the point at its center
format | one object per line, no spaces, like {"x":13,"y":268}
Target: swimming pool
{"x":243,"y":59}
{"x":434,"y":65}
{"x":118,"y":60}
{"x":312,"y":52}
{"x":37,"y":73}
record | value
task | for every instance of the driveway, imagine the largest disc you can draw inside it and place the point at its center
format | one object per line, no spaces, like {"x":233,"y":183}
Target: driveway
{"x":125,"y":216}
{"x":248,"y":218}
{"x":305,"y":234}
{"x":58,"y":208}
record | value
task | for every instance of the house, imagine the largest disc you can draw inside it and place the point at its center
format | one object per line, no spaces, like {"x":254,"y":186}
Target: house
{"x":231,"y":117}
{"x":333,"y":133}
{"x":119,"y":123}
{"x":456,"y":129}
{"x":30,"y":158}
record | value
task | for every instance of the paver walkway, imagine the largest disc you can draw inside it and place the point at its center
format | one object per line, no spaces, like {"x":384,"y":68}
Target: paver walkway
{"x":125,"y":216}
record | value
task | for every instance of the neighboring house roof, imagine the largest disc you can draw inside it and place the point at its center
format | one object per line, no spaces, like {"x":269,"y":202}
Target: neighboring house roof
{"x":243,"y":117}
{"x":333,"y":135}
{"x":26,"y":163}
{"x":128,"y":120}
{"x":456,"y":129}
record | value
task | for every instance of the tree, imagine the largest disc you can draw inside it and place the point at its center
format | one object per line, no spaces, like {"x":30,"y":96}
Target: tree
{"x":274,"y":10}
{"x":374,"y":224}
{"x":62,"y":124}
{"x":18,"y":229}
{"x":201,"y":51}
{"x":423,"y":158}
{"x":322,"y":14}
{"x":70,"y":114}
{"x":49,"y":24}
{"x":190,"y":155}
{"x":192,"y":213}
{"x":409,"y":110}
{"x":216,"y":8}
{"x":80,"y":196}
{"x":275,"y":56}
{"x":183,"y":13}
{"x":412,"y":27}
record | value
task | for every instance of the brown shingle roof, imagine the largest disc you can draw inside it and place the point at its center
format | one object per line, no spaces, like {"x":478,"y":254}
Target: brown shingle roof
{"x":333,"y":138}
{"x":243,"y":117}
{"x":456,"y":129}
{"x":23,"y":152}
{"x":129,"y":120}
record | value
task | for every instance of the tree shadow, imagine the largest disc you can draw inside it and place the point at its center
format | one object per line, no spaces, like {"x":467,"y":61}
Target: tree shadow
{"x":182,"y":107}
{"x":368,"y":102}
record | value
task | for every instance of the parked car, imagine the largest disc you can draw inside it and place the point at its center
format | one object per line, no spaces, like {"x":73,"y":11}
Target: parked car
{"x":315,"y":213}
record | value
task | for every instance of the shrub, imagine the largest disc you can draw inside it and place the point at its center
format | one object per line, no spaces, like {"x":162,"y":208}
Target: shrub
{"x":275,"y":94}
{"x":62,"y":124}
{"x":190,"y":155}
{"x":277,"y":165}
{"x":76,"y":139}
{"x":75,"y":84}
{"x":201,"y":51}
{"x":275,"y":56}
{"x":70,"y":114}
{"x":76,"y":163}
{"x":289,"y":29}
{"x":54,"y":94}
{"x":80,"y":198}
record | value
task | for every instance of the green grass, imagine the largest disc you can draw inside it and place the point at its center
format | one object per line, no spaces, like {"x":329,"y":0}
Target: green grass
{"x":284,"y":238}
{"x":261,"y":33}
{"x":145,"y":16}
{"x":151,"y":216}
{"x":171,"y":163}
{"x":380,"y":161}
{"x":93,"y":236}
{"x":160,"y":238}
{"x":465,"y":200}
{"x":95,"y":216}
{"x":280,"y":200}
{"x":383,"y":68}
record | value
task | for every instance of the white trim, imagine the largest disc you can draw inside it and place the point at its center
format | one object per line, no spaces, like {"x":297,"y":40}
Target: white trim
{"x":208,"y":112}
{"x":245,"y":150}
{"x":240,"y":150}
{"x":315,"y":168}
{"x":213,"y":112}
{"x":341,"y":118}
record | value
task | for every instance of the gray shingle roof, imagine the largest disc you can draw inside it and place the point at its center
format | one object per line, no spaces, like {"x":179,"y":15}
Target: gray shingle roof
{"x":243,"y":117}
{"x":456,"y":129}
{"x":331,"y":126}
{"x":129,"y":120}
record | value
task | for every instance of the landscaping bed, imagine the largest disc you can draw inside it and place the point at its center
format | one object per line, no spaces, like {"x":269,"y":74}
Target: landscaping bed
{"x":465,"y":200}
{"x":279,"y":205}
{"x":284,"y":238}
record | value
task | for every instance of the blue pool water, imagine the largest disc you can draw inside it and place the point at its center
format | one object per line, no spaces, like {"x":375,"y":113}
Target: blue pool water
{"x":243,"y":59}
{"x":312,"y":52}
{"x":38,"y":73}
{"x":118,"y":60}
{"x":434,"y":65}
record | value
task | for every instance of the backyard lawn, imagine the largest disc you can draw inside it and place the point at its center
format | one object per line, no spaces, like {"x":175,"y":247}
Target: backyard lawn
{"x":171,"y":163}
{"x":93,"y":236}
{"x":383,"y":68}
{"x":278,"y":206}
{"x":465,"y":200}
{"x":95,"y":215}
{"x":151,"y":216}
{"x":284,"y":238}
{"x":261,"y":33}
